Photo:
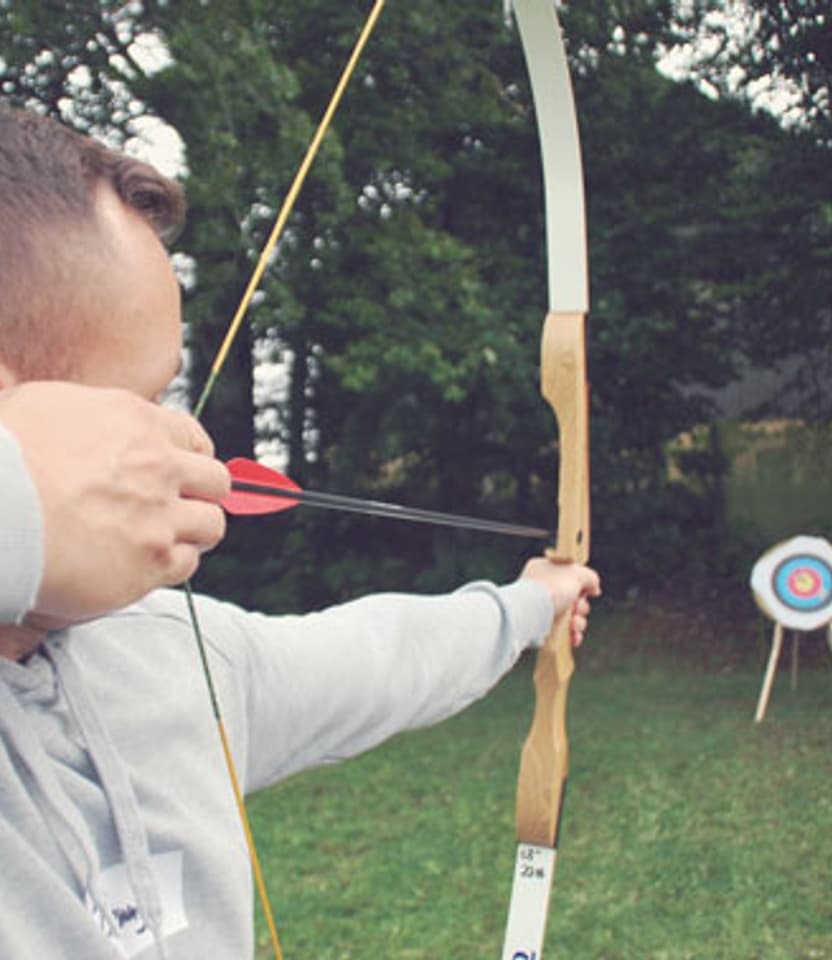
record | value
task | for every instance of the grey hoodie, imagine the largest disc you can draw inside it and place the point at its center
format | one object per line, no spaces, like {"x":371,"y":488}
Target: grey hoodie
{"x":119,"y":834}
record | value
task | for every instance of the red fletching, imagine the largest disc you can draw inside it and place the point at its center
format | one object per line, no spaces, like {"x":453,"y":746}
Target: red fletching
{"x":248,"y":503}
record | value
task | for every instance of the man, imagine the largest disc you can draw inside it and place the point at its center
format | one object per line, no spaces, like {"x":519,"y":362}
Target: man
{"x":119,"y":835}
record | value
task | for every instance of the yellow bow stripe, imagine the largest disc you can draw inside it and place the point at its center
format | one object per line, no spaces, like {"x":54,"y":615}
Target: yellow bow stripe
{"x":288,"y":205}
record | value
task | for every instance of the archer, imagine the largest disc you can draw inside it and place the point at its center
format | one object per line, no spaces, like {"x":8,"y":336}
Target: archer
{"x":115,"y":800}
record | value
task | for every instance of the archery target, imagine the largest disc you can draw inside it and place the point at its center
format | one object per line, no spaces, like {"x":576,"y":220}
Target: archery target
{"x":792,"y":583}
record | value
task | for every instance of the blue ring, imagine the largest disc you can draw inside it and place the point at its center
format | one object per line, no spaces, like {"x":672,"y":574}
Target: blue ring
{"x":780,"y":583}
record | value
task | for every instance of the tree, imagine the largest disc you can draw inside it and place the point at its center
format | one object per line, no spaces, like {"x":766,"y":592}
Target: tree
{"x":774,"y":52}
{"x":407,"y":295}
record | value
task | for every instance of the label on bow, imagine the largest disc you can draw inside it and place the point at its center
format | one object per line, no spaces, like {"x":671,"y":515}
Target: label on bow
{"x":530,"y":891}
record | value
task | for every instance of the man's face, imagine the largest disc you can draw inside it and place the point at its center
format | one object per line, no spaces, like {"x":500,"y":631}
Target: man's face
{"x":131,"y":335}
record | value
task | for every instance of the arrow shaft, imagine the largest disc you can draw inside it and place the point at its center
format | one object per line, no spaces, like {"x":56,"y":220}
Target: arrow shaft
{"x":376,"y":508}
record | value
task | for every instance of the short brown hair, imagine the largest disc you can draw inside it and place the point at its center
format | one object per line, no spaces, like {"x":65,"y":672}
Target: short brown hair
{"x":48,"y":178}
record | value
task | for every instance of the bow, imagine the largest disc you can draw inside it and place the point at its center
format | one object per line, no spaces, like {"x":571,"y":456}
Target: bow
{"x":544,"y":762}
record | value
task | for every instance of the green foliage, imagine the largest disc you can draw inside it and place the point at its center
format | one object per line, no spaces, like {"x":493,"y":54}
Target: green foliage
{"x":778,"y":486}
{"x":407,"y":294}
{"x":751,"y":484}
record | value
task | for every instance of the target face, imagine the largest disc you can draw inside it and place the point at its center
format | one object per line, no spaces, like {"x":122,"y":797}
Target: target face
{"x":793,"y":583}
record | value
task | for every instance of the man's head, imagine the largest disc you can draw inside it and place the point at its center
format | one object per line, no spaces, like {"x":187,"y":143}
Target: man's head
{"x":87,"y":290}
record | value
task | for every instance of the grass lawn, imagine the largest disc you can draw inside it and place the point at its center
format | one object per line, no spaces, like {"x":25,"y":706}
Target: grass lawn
{"x":688,"y":831}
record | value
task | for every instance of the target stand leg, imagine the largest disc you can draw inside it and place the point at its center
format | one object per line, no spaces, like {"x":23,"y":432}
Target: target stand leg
{"x":795,"y":658}
{"x":771,"y":669}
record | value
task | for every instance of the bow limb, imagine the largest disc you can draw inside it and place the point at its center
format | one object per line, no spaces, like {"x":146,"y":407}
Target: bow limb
{"x":544,"y":762}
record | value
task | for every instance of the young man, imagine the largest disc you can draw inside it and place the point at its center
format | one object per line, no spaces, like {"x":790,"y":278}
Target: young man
{"x":119,"y":835}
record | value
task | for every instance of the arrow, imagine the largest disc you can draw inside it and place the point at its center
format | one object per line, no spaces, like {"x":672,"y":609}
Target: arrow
{"x":213,"y":376}
{"x":257,"y":490}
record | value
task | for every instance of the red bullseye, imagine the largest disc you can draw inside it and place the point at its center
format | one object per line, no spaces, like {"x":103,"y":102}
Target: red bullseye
{"x":805,"y":583}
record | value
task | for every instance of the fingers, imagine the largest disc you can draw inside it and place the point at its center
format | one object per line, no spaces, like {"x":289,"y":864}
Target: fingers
{"x":579,"y":621}
{"x":186,"y":432}
{"x":590,"y":584}
{"x":183,"y":563}
{"x":199,"y":522}
{"x":588,"y":580}
{"x":581,"y":608}
{"x":199,"y":525}
{"x":202,"y":477}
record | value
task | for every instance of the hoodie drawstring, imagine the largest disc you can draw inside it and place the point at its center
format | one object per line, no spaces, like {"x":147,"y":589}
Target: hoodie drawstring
{"x":119,"y":790}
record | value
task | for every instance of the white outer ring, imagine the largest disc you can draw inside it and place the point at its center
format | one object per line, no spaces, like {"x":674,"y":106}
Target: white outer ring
{"x":761,"y":583}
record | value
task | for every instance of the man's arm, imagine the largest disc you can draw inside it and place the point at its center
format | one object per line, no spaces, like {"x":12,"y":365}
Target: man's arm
{"x":301,"y":691}
{"x":122,"y":496}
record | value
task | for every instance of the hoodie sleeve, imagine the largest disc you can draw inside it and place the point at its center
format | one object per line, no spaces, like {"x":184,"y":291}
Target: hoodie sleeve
{"x":21,"y":533}
{"x":318,"y":688}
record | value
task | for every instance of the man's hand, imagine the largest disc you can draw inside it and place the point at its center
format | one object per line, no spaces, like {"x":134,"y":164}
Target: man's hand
{"x":129,"y":494}
{"x":570,"y":586}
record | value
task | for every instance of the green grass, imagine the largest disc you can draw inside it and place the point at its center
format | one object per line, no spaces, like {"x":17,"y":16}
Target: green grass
{"x":688,"y":832}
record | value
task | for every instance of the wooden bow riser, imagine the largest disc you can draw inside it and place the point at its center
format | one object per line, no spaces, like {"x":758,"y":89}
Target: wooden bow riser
{"x":544,"y":763}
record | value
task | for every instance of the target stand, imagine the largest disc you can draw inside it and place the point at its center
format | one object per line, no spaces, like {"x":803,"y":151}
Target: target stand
{"x":792,"y":584}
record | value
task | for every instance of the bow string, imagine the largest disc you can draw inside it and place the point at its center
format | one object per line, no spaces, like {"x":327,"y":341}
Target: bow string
{"x":216,"y":368}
